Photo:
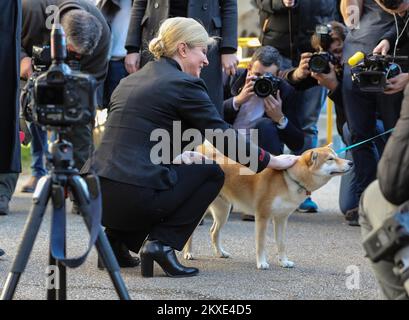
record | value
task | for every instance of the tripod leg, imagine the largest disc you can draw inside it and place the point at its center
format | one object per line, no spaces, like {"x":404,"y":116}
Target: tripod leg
{"x":103,"y":247}
{"x":35,"y":217}
{"x":107,"y":255}
{"x":58,"y":289}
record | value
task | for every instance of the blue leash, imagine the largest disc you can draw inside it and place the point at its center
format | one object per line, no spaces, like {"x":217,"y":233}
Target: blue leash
{"x":362,"y":142}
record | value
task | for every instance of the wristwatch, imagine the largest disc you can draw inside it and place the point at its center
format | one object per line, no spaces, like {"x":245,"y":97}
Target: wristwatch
{"x":282,"y":123}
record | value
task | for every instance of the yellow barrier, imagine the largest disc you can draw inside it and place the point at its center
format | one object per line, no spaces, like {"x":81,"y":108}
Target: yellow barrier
{"x":330,"y":105}
{"x":246,"y":43}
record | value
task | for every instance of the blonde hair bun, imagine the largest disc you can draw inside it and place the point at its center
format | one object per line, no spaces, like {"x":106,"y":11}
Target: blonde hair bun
{"x":174,"y":31}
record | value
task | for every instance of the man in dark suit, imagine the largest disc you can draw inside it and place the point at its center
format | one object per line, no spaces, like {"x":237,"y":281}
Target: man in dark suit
{"x":275,"y":118}
{"x":219,"y":19}
{"x":10,"y":163}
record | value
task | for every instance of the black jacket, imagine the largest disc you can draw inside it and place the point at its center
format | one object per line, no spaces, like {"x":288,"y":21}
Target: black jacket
{"x":393,"y":172}
{"x":403,"y":44}
{"x":34,"y":32}
{"x":10,"y":30}
{"x":275,"y":23}
{"x":292,"y":135}
{"x":219,"y":17}
{"x":146,"y":105}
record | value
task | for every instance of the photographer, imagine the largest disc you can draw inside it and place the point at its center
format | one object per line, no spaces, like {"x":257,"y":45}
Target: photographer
{"x":144,"y":196}
{"x":396,"y":42}
{"x":88,"y":41}
{"x":362,"y":108}
{"x":10,"y":163}
{"x":275,"y":117}
{"x":388,"y":195}
{"x":333,"y":81}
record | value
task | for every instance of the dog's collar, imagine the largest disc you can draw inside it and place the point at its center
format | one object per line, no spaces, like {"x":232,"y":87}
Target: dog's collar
{"x":301,"y":187}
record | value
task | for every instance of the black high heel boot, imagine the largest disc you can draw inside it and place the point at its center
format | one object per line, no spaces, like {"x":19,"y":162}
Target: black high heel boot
{"x":124,"y":258}
{"x":154,"y":250}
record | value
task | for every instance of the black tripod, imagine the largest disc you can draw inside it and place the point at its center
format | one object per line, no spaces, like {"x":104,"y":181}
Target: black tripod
{"x":63,"y":177}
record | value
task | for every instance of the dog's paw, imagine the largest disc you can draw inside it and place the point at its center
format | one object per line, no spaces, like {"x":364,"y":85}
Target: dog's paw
{"x":223,"y":254}
{"x":263,"y":266}
{"x":285,"y":263}
{"x":188,"y":256}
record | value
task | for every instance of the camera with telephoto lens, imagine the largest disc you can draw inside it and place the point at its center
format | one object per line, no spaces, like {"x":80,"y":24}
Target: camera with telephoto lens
{"x":371,"y":72}
{"x":58,"y":96}
{"x":390,"y":242}
{"x":319,"y":62}
{"x":266,"y":85}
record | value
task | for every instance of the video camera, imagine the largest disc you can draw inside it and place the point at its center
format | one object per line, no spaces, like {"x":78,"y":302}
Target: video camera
{"x":371,"y":72}
{"x":58,"y":96}
{"x":266,"y":85}
{"x":390,"y":242}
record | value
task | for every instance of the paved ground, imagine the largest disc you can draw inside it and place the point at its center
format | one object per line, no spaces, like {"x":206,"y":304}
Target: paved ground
{"x":322,"y":246}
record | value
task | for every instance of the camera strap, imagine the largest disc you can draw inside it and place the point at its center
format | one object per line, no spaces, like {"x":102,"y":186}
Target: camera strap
{"x":363,"y":142}
{"x":92,"y":213}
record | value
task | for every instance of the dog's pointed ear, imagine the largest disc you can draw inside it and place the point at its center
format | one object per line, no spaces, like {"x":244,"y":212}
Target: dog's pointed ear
{"x":330,"y":145}
{"x":313,"y":158}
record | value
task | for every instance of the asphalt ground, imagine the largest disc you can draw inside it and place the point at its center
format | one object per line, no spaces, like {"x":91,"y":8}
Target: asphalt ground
{"x":329,"y":260}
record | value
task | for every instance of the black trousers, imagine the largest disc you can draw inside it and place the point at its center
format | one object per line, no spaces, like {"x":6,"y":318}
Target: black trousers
{"x":361,"y":111}
{"x":132,"y":213}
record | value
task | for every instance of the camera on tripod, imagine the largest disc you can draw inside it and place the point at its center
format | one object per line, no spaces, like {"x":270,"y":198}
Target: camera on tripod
{"x":371,"y":72}
{"x":57,"y":94}
{"x":266,"y":85}
{"x":390,"y":242}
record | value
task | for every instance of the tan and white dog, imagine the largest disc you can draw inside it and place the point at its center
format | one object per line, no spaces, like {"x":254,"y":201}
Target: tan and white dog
{"x":269,"y":195}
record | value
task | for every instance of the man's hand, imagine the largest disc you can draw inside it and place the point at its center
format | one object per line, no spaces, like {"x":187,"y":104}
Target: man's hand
{"x":329,"y":80}
{"x":382,"y":48}
{"x":26,"y":70}
{"x":189,"y":157}
{"x":246,"y":93}
{"x":273,"y":107}
{"x":282,"y":162}
{"x":132,"y":62}
{"x":303,"y":70}
{"x":289,"y":3}
{"x":229,"y":64}
{"x":397,"y":83}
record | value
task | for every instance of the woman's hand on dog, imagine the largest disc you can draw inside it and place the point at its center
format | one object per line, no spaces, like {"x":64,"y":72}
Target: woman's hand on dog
{"x":282,"y":162}
{"x":190,"y":157}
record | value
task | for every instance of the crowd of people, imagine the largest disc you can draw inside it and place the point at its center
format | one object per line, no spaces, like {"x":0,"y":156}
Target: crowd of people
{"x":161,"y":62}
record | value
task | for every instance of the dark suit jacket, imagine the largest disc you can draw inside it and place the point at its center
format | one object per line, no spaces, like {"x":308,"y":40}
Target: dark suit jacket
{"x":10,"y":22}
{"x":148,"y":103}
{"x":35,"y":32}
{"x":219,"y":19}
{"x":292,"y":135}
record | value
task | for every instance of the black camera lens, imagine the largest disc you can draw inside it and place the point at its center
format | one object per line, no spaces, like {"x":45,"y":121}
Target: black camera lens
{"x":263,"y":87}
{"x":319,"y":63}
